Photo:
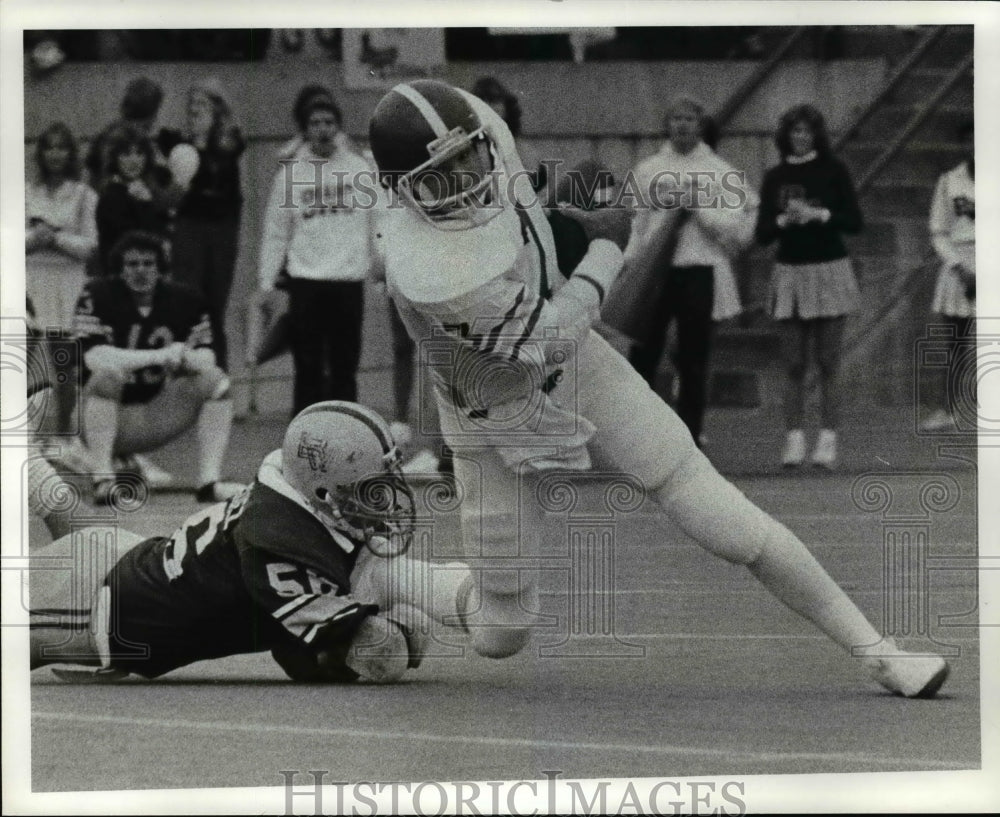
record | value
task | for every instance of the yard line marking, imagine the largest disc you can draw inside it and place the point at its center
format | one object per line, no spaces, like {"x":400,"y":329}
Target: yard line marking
{"x":519,"y":743}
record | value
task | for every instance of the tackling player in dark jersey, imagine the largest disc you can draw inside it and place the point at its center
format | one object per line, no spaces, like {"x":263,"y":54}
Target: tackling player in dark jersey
{"x":150,"y":371}
{"x":292,"y":564}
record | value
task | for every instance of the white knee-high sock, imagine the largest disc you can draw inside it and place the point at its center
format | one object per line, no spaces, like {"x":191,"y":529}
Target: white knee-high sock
{"x":437,"y":589}
{"x":214,"y":424}
{"x":100,"y":426}
{"x":723,"y":521}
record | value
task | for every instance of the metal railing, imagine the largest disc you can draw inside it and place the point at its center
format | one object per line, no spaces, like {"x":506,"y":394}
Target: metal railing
{"x":743,"y":91}
{"x":899,"y":73}
{"x":925,"y":109}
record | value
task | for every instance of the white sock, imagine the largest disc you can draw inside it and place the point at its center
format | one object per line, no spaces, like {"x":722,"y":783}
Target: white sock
{"x":214,"y":424}
{"x":723,"y":521}
{"x":437,"y":589}
{"x":792,"y":574}
{"x":100,"y":424}
{"x":449,"y":596}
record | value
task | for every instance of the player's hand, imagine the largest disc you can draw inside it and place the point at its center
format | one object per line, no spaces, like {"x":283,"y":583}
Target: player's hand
{"x":173,"y":356}
{"x":611,"y":223}
{"x":137,"y":189}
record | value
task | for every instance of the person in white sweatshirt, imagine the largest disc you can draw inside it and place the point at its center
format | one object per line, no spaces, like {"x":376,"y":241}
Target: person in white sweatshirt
{"x":319,"y":230}
{"x":699,"y":286}
{"x":953,"y":235}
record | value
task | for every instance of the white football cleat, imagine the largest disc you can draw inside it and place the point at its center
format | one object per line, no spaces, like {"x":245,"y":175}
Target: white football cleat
{"x":825,"y":453}
{"x":794,"y":451}
{"x":912,"y":675}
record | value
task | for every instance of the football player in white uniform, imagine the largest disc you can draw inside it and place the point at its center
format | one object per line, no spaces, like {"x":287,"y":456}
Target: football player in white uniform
{"x":524,"y":385}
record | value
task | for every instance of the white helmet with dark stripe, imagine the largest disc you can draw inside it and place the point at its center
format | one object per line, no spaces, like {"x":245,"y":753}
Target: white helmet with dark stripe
{"x":344,"y":462}
{"x":432,"y":149}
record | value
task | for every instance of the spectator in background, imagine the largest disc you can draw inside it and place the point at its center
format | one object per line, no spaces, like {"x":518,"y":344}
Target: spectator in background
{"x":61,"y":228}
{"x":495,"y":94}
{"x":304,"y":100}
{"x":126,"y":200}
{"x":325,"y":243}
{"x":953,"y":235}
{"x":699,"y":286}
{"x":140,"y":107}
{"x":208,"y":213}
{"x":807,"y":202}
{"x":150,"y":372}
{"x":60,"y":237}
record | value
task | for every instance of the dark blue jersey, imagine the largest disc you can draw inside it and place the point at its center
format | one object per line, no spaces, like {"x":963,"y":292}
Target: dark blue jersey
{"x":255,"y":573}
{"x":106,"y":313}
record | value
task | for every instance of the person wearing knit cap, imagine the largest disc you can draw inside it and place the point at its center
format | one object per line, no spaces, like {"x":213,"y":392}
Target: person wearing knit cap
{"x":324,"y":243}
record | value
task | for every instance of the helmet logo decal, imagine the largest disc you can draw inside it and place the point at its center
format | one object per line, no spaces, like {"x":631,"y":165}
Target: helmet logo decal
{"x":314,"y":450}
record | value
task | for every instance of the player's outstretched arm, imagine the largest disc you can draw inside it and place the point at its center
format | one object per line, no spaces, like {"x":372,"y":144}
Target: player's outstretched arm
{"x":332,"y":637}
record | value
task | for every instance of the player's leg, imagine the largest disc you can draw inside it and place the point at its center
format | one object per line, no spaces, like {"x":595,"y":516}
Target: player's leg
{"x":196,"y":399}
{"x":719,"y":517}
{"x":439,"y":589}
{"x":500,"y":536}
{"x":50,"y":499}
{"x":101,"y":415}
{"x":214,"y":425}
{"x":63,"y":582}
{"x":148,"y":426}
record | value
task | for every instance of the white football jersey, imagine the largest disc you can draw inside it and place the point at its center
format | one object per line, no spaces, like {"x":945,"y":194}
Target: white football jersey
{"x":497,"y":326}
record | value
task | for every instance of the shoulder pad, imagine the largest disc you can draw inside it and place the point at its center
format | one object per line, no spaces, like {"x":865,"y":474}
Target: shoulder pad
{"x":428,"y":265}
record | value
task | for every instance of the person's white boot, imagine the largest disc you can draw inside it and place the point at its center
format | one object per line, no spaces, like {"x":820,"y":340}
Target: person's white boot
{"x":794,"y":451}
{"x":825,"y":453}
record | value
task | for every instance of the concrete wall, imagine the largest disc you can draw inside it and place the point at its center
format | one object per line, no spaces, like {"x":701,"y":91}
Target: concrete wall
{"x":610,"y":111}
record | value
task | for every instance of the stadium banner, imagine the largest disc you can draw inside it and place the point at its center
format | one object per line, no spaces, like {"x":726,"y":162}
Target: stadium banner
{"x":383,"y":57}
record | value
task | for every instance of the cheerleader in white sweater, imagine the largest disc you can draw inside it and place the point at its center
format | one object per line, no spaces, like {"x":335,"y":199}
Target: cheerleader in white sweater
{"x":953,"y":234}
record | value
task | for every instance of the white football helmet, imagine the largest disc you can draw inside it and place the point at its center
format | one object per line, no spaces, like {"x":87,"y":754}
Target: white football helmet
{"x":433,"y":150}
{"x":343,"y":461}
